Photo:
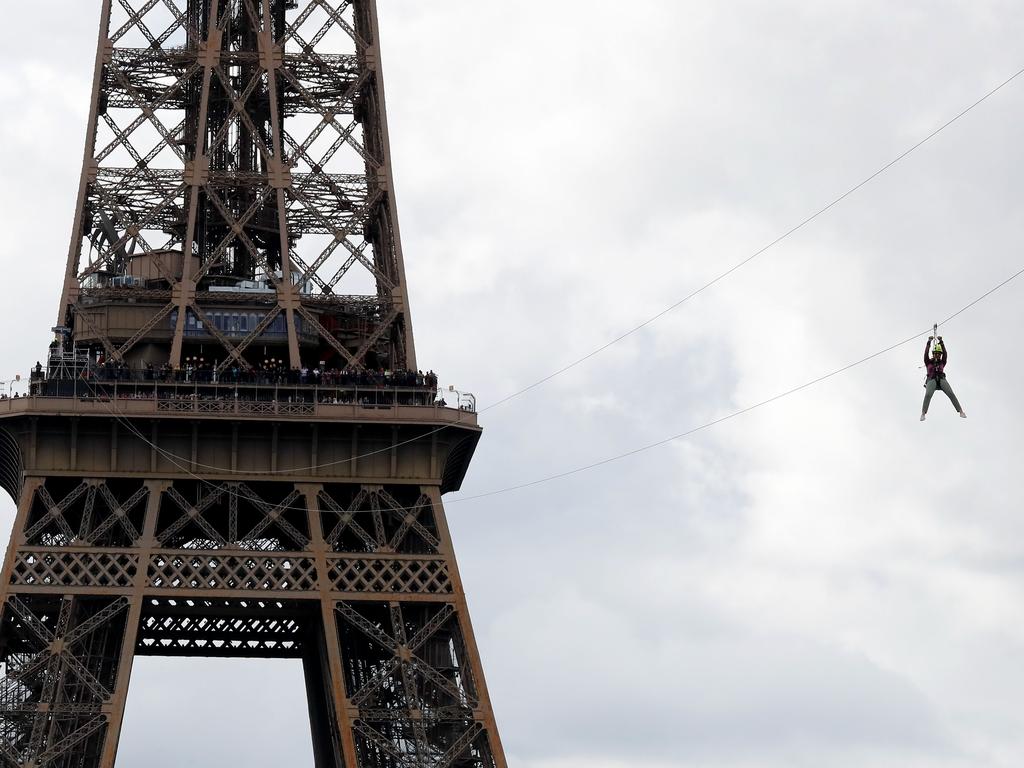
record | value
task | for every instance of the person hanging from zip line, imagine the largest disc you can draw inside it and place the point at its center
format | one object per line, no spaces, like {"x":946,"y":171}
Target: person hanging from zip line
{"x":935,"y":358}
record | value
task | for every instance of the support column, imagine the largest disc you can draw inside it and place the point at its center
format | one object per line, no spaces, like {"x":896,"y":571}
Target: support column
{"x":69,"y":296}
{"x":115,"y":714}
{"x":486,"y":710}
{"x":333,"y":677}
{"x":197,"y":176}
{"x":323,"y":725}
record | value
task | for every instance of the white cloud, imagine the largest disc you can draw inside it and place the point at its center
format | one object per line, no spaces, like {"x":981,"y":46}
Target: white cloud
{"x":825,"y":581}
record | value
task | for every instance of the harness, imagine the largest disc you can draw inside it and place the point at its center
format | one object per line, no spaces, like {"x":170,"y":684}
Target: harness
{"x":935,"y":369}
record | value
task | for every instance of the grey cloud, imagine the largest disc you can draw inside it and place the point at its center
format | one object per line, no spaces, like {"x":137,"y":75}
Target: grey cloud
{"x":822,"y":582}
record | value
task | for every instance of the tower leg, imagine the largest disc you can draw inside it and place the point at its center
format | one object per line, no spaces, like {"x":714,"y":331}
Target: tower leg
{"x":329,"y":681}
{"x":64,"y":678}
{"x":131,"y":632}
{"x":469,"y":638}
{"x":323,"y":707}
{"x":119,"y":699}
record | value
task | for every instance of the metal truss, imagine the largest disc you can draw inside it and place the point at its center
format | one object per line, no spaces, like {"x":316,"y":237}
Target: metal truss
{"x":238,"y":166}
{"x":413,"y":686}
{"x":374,"y":521}
{"x":358,"y":581}
{"x":231,"y":147}
{"x":62,"y":667}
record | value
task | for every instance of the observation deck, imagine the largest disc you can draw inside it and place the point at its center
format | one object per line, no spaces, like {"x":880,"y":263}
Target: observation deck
{"x":312,"y":405}
{"x":236,"y":432}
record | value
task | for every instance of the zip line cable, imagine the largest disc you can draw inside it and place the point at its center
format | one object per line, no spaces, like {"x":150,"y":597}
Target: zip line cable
{"x":648,"y":446}
{"x":654,"y":318}
{"x":741,"y":411}
{"x":734,"y":414}
{"x":740,"y":264}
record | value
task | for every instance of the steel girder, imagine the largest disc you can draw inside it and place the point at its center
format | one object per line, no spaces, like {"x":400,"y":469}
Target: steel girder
{"x":358,"y":581}
{"x":227,"y":143}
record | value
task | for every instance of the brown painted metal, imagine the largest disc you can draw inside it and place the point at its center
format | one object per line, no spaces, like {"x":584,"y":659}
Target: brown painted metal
{"x":225,"y":131}
{"x":234,"y":169}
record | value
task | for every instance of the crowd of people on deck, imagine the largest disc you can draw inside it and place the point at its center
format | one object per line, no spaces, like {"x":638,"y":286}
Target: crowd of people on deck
{"x":271,"y":371}
{"x":344,"y":386}
{"x":336,"y":386}
{"x":385,"y":399}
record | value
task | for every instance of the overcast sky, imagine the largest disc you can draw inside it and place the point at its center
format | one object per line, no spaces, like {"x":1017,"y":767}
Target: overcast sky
{"x":822,"y":582}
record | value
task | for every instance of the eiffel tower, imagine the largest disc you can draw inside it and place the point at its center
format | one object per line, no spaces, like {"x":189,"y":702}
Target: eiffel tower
{"x":230,"y":451}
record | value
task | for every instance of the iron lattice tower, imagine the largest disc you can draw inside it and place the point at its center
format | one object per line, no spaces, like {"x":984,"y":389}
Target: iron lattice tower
{"x":230,"y":452}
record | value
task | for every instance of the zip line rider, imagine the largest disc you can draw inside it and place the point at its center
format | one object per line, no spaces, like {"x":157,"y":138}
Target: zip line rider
{"x":935,"y":361}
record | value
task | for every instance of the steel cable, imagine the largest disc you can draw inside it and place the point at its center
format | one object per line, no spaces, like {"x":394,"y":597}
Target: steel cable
{"x":648,"y":446}
{"x":654,"y":318}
